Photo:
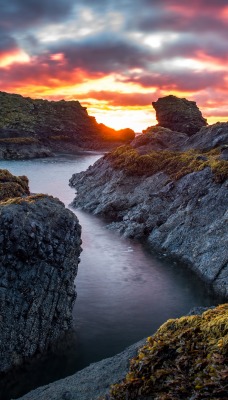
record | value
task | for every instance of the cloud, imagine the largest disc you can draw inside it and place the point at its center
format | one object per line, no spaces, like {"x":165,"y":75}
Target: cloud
{"x":22,"y":14}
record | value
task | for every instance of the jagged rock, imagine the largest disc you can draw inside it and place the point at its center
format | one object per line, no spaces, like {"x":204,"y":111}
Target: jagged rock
{"x":178,"y":201}
{"x":209,"y":137}
{"x":39,"y":255}
{"x":158,"y":138}
{"x":179,"y":115}
{"x":59,"y":125}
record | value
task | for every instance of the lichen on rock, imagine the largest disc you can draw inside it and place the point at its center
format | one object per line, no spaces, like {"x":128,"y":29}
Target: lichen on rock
{"x":186,"y":358}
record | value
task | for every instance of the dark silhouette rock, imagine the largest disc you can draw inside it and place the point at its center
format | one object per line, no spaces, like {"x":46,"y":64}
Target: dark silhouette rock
{"x":41,"y":126}
{"x":39,"y":255}
{"x":179,"y":115}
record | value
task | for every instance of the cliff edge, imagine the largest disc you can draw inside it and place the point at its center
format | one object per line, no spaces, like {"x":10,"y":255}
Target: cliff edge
{"x":39,"y":255}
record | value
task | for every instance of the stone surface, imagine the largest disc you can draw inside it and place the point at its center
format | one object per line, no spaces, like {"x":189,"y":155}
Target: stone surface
{"x":95,"y":380}
{"x":159,"y":138}
{"x":39,"y":255}
{"x":51,"y":126}
{"x":179,"y":115}
{"x":209,"y":137}
{"x":183,"y":218}
{"x":89,"y":383}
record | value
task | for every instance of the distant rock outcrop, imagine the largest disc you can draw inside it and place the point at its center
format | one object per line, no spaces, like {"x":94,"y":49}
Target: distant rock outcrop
{"x":33,"y":128}
{"x":39,"y":255}
{"x":179,"y":115}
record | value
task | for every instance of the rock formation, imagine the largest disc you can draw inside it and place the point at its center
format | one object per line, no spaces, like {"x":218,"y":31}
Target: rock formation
{"x":176,"y":199}
{"x":179,"y":115}
{"x":191,"y":350}
{"x":39,"y":255}
{"x":40,"y":126}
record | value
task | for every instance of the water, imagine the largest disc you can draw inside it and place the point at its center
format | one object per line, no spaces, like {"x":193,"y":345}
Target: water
{"x":124,"y":292}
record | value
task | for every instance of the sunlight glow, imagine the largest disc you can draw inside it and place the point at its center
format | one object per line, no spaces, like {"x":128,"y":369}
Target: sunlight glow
{"x":18,"y":56}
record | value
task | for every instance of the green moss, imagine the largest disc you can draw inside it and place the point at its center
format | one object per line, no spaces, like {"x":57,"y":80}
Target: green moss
{"x":175,"y":164}
{"x":186,"y":357}
{"x":22,"y":200}
{"x":12,"y":186}
{"x":19,"y":140}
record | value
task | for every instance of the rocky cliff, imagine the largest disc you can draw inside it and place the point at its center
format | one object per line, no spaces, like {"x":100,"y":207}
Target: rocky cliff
{"x":39,"y":255}
{"x":165,"y":190}
{"x":33,"y":128}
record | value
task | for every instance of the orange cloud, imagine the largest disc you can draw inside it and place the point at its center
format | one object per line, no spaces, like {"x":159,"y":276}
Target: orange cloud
{"x":12,"y":57}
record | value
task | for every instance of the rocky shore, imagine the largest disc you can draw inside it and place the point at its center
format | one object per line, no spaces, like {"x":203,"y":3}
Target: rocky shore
{"x":170,"y":189}
{"x":39,"y":255}
{"x":38,"y":128}
{"x":186,"y":358}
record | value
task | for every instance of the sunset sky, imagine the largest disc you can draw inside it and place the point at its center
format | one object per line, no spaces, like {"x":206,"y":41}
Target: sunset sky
{"x":117,"y":56}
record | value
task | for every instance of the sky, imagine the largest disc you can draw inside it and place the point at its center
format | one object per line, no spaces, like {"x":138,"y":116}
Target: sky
{"x":117,"y":56}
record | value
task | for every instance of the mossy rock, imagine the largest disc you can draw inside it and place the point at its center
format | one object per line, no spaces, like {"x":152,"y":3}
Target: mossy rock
{"x":187,"y":357}
{"x":12,"y":186}
{"x":173,"y":163}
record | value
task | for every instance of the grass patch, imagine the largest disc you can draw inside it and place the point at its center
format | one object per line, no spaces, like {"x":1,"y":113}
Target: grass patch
{"x":22,"y":200}
{"x":175,"y":164}
{"x":186,"y":357}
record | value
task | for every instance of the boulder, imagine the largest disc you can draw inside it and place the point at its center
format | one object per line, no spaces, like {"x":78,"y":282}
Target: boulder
{"x":39,"y":255}
{"x":179,"y":115}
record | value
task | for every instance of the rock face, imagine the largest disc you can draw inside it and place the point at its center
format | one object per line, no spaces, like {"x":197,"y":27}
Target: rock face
{"x":41,"y":126}
{"x":95,"y":380}
{"x":179,"y":115}
{"x":22,"y":149}
{"x":39,"y":255}
{"x":178,"y":201}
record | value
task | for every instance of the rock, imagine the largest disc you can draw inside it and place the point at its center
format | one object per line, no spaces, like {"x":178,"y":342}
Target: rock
{"x":39,"y":255}
{"x":30,"y":128}
{"x":12,"y":186}
{"x":179,"y":115}
{"x":90,"y":382}
{"x":23,"y":149}
{"x":174,"y":200}
{"x":158,"y":138}
{"x":95,"y":380}
{"x":209,"y":137}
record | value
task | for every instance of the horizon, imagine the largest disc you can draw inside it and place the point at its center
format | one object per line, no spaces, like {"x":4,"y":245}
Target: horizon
{"x":115,"y":59}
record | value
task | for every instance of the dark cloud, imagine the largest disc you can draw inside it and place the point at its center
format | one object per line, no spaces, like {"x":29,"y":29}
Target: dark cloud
{"x":7,"y":43}
{"x":103,"y":56}
{"x":181,"y":81}
{"x":20,"y":14}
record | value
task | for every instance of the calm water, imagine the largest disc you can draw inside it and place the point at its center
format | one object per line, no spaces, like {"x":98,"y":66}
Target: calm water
{"x":124,"y":291}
